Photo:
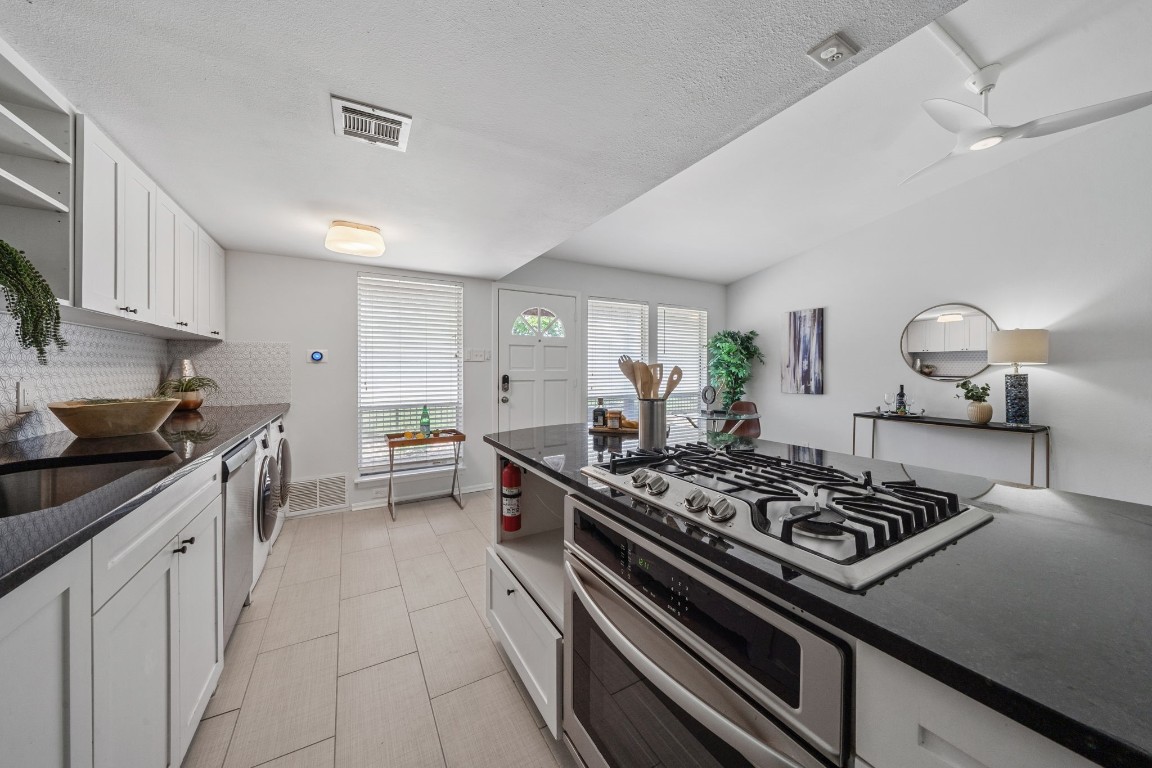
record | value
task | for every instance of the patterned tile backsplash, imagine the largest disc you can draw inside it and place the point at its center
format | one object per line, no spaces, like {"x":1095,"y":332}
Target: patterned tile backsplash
{"x":103,"y":363}
{"x":248,"y":372}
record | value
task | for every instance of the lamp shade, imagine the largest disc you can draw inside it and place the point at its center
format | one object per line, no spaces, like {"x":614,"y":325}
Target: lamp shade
{"x":354,"y":239}
{"x":1021,"y":346}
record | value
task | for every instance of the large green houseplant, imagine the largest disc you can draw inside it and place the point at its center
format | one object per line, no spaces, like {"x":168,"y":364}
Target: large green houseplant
{"x":730,"y":357}
{"x":31,"y":302}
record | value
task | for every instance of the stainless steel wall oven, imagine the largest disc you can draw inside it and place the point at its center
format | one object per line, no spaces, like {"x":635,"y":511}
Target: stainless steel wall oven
{"x":665,"y":664}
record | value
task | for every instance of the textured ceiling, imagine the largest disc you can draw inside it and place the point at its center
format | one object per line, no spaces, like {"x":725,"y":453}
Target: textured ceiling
{"x":531,"y":120}
{"x":833,"y":162}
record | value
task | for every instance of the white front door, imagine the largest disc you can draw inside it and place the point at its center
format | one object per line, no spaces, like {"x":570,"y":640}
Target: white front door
{"x":538,"y":375}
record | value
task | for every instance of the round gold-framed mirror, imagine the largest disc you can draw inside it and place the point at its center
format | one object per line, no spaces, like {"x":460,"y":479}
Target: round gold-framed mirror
{"x":948,"y":342}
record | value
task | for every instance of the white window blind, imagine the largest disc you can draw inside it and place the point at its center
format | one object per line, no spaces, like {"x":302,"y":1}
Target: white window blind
{"x":614,"y":328}
{"x":682,"y":339}
{"x":410,"y":355}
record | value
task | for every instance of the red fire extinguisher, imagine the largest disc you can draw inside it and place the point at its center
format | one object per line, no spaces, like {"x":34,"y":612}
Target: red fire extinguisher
{"x":510,"y":496}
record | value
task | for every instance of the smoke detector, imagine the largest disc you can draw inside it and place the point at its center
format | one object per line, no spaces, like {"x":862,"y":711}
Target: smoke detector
{"x":374,"y":125}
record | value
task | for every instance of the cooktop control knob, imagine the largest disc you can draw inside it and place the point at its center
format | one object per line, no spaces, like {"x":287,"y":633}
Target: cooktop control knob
{"x":696,"y":501}
{"x":657,"y":484}
{"x":640,"y":477}
{"x":721,"y":510}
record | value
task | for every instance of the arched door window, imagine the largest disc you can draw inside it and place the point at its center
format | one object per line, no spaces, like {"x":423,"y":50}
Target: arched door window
{"x":538,"y":321}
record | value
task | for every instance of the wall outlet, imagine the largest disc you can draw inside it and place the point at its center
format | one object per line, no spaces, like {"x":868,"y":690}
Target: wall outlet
{"x":24,"y":398}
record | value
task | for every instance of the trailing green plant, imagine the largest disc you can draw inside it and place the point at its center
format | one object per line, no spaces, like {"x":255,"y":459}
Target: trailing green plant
{"x":187,"y":384}
{"x":31,"y":302}
{"x":974,"y":393}
{"x":730,"y":356}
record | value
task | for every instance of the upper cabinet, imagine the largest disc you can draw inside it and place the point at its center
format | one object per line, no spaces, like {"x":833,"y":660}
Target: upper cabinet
{"x":139,"y":255}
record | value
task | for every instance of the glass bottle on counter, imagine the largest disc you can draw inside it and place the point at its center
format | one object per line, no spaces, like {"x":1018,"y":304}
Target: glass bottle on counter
{"x":599,"y":414}
{"x":425,"y":421}
{"x":901,"y":401}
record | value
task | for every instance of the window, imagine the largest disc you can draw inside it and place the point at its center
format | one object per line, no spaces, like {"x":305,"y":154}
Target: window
{"x":409,"y":355}
{"x":538,"y":321}
{"x":683,"y":340}
{"x":614,"y":328}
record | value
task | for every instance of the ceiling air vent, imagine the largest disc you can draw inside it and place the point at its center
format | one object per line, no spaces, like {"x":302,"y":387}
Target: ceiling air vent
{"x":371,"y":124}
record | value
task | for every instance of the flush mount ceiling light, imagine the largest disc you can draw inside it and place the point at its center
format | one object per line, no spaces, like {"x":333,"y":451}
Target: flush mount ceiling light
{"x":952,"y":317}
{"x":975,"y":131}
{"x":354,"y":239}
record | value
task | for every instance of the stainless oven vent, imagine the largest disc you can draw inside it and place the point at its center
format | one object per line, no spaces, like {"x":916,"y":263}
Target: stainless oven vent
{"x":375,"y":125}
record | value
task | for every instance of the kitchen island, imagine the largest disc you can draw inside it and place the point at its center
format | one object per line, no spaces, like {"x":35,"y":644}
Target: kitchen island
{"x":1043,"y":615}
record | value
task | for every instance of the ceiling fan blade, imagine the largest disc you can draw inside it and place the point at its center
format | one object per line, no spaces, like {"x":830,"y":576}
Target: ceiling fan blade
{"x":929,"y":167}
{"x":1075,"y":118}
{"x":956,"y":117}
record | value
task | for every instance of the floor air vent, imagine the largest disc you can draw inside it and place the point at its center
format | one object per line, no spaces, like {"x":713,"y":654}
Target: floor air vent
{"x":374,"y":125}
{"x":320,"y":493}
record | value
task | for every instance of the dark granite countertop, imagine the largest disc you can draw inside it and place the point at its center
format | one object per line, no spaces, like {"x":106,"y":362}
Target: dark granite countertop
{"x":1044,"y":614}
{"x":57,"y":491}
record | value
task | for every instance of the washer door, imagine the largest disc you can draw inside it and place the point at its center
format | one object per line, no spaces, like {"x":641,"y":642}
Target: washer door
{"x":284,"y":460}
{"x":267,"y":498}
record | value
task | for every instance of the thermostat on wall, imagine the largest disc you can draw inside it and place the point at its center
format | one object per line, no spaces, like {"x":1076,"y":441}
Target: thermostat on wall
{"x":318,"y":356}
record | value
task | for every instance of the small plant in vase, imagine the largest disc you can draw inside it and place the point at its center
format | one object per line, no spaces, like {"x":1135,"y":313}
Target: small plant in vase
{"x":190,"y":390}
{"x":979,"y":409}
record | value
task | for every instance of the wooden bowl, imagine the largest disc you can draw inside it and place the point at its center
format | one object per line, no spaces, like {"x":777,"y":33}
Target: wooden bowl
{"x":113,"y":419}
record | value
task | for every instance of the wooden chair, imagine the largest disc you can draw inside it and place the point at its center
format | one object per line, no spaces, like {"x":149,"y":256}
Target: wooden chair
{"x":749,"y":428}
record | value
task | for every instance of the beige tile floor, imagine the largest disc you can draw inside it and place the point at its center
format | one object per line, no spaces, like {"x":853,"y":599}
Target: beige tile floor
{"x":366,"y":645}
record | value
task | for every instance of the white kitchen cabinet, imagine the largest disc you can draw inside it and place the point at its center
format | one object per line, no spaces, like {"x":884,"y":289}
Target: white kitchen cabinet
{"x":926,"y":336}
{"x":176,"y":234}
{"x":158,"y":641}
{"x":971,"y":334}
{"x":46,"y":667}
{"x":117,"y":228}
{"x":955,"y":336}
{"x":977,"y":331}
{"x":203,"y":283}
{"x":216,"y":283}
{"x":135,"y":673}
{"x":905,"y":719}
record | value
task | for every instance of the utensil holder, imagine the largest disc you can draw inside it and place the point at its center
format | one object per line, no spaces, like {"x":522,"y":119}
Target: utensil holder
{"x":653,"y":418}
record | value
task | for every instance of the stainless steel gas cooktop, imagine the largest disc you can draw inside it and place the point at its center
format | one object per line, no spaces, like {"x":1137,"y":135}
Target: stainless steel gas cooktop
{"x":832,"y":524}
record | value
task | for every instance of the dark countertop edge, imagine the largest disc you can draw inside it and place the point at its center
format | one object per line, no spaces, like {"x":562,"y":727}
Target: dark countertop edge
{"x":1082,"y":739}
{"x":17,"y":576}
{"x":59,"y":462}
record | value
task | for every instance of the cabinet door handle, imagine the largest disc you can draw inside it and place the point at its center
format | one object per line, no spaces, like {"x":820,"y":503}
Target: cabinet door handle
{"x":191,"y":540}
{"x":180,"y":323}
{"x":510,"y":591}
{"x":180,"y":550}
{"x":215,"y":333}
{"x":127,"y":309}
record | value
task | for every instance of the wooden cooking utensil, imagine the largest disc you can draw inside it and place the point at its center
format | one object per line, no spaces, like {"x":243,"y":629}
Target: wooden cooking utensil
{"x":627,"y":367}
{"x":657,"y":370}
{"x":674,"y":378}
{"x":643,"y":379}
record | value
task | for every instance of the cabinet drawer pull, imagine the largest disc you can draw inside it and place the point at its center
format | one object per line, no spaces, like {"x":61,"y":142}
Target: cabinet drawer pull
{"x":191,"y":540}
{"x":215,"y":333}
{"x":180,"y":550}
{"x":511,"y":591}
{"x":127,"y":309}
{"x":180,"y":323}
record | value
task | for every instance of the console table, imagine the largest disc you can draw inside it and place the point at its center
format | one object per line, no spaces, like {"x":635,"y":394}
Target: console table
{"x":399,"y":440}
{"x":995,"y":426}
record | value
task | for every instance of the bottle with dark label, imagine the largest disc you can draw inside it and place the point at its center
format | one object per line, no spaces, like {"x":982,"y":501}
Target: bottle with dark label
{"x":901,"y":401}
{"x":426,"y":421}
{"x":599,"y":414}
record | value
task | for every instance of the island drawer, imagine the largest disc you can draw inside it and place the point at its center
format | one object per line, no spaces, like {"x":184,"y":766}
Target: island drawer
{"x":528,"y":637}
{"x":905,"y":719}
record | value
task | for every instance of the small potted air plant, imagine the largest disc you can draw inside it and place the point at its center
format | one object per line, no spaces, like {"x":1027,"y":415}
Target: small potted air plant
{"x":979,"y":409}
{"x":190,"y":390}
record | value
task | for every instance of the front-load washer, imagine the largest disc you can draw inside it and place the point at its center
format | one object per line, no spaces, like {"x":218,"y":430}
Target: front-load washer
{"x":278,"y":446}
{"x":267,"y":519}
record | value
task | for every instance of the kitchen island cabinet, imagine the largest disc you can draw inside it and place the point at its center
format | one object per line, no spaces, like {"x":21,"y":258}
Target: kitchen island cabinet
{"x":1041,"y":617}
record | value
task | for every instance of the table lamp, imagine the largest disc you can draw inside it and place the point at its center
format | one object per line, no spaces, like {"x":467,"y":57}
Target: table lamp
{"x":1027,"y":346}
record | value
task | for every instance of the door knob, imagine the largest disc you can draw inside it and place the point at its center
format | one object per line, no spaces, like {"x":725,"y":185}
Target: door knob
{"x":504,"y":399}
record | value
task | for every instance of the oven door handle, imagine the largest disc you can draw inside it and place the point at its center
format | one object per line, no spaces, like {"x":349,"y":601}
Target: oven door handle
{"x":743,"y":742}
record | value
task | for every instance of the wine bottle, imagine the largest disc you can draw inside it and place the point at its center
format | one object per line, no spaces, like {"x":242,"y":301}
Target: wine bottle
{"x":599,"y":414}
{"x":901,"y":401}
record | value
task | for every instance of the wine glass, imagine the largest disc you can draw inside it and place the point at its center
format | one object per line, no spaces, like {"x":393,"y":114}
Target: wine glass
{"x":910,"y":401}
{"x":889,"y":398}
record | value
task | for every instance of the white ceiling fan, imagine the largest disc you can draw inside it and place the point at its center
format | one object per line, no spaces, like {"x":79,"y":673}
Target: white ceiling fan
{"x":975,"y":131}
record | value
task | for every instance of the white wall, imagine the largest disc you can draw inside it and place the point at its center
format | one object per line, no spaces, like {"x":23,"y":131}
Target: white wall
{"x":311,"y":304}
{"x":1060,"y":240}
